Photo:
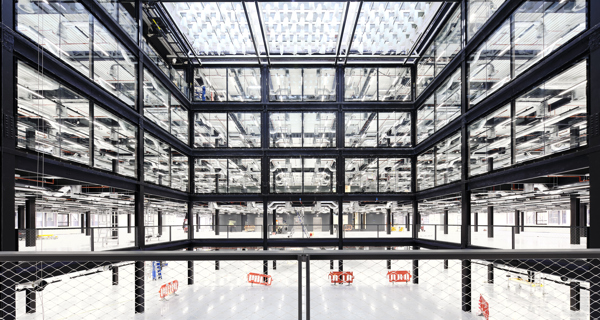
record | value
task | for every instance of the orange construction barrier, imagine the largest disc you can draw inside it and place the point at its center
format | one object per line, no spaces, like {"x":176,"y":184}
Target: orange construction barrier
{"x":484,"y":307}
{"x":399,"y":276}
{"x":262,"y":279}
{"x":341,"y":277}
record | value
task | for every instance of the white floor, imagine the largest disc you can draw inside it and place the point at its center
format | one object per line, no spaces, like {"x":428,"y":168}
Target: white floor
{"x":225,"y":294}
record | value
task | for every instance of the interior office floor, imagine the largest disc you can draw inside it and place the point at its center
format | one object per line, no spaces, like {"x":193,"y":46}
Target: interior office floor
{"x":226,"y":294}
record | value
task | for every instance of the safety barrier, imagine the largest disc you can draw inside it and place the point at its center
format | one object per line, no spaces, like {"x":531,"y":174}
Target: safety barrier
{"x":262,"y":279}
{"x":168,"y":289}
{"x":341,"y":277}
{"x":399,"y":276}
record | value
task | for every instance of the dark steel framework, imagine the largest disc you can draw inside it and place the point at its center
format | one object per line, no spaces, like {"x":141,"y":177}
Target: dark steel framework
{"x":16,"y":47}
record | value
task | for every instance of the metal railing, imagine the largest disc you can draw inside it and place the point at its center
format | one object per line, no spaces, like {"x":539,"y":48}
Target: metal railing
{"x":515,"y":284}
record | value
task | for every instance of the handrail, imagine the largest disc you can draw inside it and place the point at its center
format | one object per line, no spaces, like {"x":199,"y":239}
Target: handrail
{"x":483,"y":254}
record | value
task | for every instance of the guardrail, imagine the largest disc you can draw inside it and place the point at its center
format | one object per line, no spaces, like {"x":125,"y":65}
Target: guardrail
{"x":541,"y":284}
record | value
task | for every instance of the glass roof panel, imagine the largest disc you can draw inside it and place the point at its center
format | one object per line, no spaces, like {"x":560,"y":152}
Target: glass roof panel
{"x":391,"y":28}
{"x":213,"y":28}
{"x":302,"y":28}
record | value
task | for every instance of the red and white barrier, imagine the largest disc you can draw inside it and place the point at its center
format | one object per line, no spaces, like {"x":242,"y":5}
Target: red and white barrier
{"x":399,"y":276}
{"x":168,"y":289}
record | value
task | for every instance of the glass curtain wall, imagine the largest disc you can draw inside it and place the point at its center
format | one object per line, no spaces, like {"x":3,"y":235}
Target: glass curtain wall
{"x":377,"y":175}
{"x":479,"y":12}
{"x":490,"y":142}
{"x":535,"y":30}
{"x":67,"y":34}
{"x":57,"y":121}
{"x":377,"y":84}
{"x":302,"y":129}
{"x":233,"y":175}
{"x":122,"y":11}
{"x":163,"y":109}
{"x":446,"y":45}
{"x":440,"y":108}
{"x":302,"y":84}
{"x":157,"y":161}
{"x":441,"y":164}
{"x":377,"y":129}
{"x":227,"y":130}
{"x":298,"y":175}
{"x":227,"y":84}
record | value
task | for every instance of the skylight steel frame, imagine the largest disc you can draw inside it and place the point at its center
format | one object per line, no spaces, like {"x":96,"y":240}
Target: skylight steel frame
{"x":337,"y":57}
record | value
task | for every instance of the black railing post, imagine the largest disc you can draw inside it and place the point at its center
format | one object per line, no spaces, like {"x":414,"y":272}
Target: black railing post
{"x":139,"y":287}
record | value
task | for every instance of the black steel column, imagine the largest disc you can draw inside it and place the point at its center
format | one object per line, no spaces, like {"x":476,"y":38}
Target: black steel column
{"x":21,"y":216}
{"x":416,"y":219}
{"x":575,"y":203}
{"x":575,"y":296}
{"x":522,"y":224}
{"x":242,"y":221}
{"x":517,"y":228}
{"x":160,"y":221}
{"x":115,"y":222}
{"x":30,"y":301}
{"x":88,"y":223}
{"x":115,"y":276}
{"x":30,"y":234}
{"x":190,"y":272}
{"x":407,"y":221}
{"x":446,"y":221}
{"x":490,"y":273}
{"x":197,"y":222}
{"x":415,"y":269}
{"x":216,"y":222}
{"x":583,"y":220}
{"x":139,"y":287}
{"x":490,"y":222}
{"x":475,"y":221}
{"x":446,"y":264}
{"x":82,"y":222}
{"x":388,"y":223}
{"x":128,"y":223}
{"x":466,"y":285}
{"x":331,"y":221}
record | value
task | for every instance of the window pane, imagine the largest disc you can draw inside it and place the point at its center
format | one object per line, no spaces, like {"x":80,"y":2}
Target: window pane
{"x":156,"y":101}
{"x":114,"y":65}
{"x":178,"y":79}
{"x":425,"y":170}
{"x":319,"y":129}
{"x":394,"y":175}
{"x":360,"y":84}
{"x":480,"y":11}
{"x":115,"y":142}
{"x":179,"y":121}
{"x":426,"y":119}
{"x":285,"y":129}
{"x":448,"y":100}
{"x":179,"y":171}
{"x":394,"y":129}
{"x":360,"y":175}
{"x":211,"y":175}
{"x":52,"y":119}
{"x":286,"y":175}
{"x":319,"y":84}
{"x":210,"y":130}
{"x":319,"y":175}
{"x":157,"y":161}
{"x":490,"y":142}
{"x":120,"y":12}
{"x":543,"y":26}
{"x":244,"y":130}
{"x":552,"y":117}
{"x":448,"y":42}
{"x":285,"y":85}
{"x":244,"y":176}
{"x":489,"y":66}
{"x":448,"y":160}
{"x":394,"y":84}
{"x":58,"y":31}
{"x":210,"y":84}
{"x":360,"y":129}
{"x":426,"y":69}
{"x":244,"y":84}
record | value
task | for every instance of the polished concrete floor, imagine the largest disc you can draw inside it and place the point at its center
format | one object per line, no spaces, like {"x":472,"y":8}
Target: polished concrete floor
{"x":226,"y":294}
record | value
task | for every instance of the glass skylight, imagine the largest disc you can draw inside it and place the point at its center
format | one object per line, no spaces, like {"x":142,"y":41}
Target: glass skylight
{"x":302,"y":29}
